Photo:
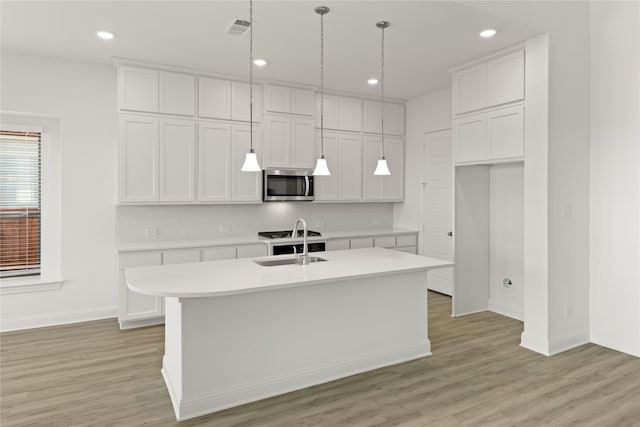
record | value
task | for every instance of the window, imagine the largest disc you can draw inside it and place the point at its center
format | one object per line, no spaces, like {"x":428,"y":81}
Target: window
{"x":20,"y":165}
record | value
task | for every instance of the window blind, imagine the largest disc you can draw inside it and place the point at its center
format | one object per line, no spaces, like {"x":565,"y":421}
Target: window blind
{"x":20,"y":184}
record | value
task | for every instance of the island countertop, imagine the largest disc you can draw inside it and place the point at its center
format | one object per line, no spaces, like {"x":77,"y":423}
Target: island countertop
{"x":239,"y":276}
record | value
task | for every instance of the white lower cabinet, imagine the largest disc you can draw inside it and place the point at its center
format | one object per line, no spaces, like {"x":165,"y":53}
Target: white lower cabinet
{"x":338,"y":244}
{"x":362,"y":242}
{"x":180,"y":256}
{"x":136,"y":309}
{"x":400,"y":242}
{"x":252,"y":250}
{"x":216,"y":253}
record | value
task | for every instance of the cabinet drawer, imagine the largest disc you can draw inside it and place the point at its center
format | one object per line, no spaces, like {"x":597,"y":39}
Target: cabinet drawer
{"x":140,"y":259}
{"x":364,"y":242}
{"x":385,"y":242}
{"x":250,"y":251}
{"x":408,"y":249}
{"x":337,"y":244}
{"x":179,"y":256}
{"x":408,"y":240}
{"x":218,"y":252}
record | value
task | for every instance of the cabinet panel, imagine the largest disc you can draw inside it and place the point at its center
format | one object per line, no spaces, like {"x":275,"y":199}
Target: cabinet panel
{"x":214,"y":98}
{"x":277,"y":99}
{"x":330,"y":112}
{"x":254,"y":250}
{"x":302,"y":101}
{"x":245,"y":186}
{"x":372,"y":184}
{"x":277,"y":131}
{"x":177,"y":93}
{"x":326,"y":187}
{"x":385,"y":242}
{"x":371,"y":111}
{"x":393,"y":119}
{"x":362,"y":242}
{"x":134,"y":306}
{"x":138,"y":158}
{"x":338,"y":244}
{"x":505,"y":133}
{"x":408,"y":249}
{"x":218,"y":253}
{"x":469,"y":89}
{"x":469,"y":138}
{"x":394,"y":183}
{"x":407,"y":240}
{"x":177,"y":160}
{"x":302,"y":143}
{"x":240,"y":102}
{"x":350,"y":114}
{"x":180,"y":256}
{"x":350,"y":167}
{"x":214,"y":162}
{"x":137,"y":89}
{"x":505,"y":79}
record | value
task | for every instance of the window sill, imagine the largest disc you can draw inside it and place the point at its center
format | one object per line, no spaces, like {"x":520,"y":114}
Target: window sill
{"x":21,"y":285}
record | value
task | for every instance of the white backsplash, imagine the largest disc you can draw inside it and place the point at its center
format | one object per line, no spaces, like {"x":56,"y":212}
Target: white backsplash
{"x":207,"y":221}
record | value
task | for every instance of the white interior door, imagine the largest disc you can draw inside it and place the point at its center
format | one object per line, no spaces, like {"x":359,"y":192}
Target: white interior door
{"x":437,"y":241}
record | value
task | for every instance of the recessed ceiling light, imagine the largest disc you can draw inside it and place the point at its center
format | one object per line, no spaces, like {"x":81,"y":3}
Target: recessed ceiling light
{"x":372,"y":81}
{"x":488,"y":33}
{"x":104,"y":35}
{"x":260,"y":62}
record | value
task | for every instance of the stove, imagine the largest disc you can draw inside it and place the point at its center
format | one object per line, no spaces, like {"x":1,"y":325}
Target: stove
{"x":286,"y":234}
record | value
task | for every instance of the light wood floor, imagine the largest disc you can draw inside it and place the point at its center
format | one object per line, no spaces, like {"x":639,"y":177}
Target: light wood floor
{"x":94,"y":374}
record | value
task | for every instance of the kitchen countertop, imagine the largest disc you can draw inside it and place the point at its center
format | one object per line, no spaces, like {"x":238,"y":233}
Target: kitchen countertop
{"x":251,"y":239}
{"x":238,"y":276}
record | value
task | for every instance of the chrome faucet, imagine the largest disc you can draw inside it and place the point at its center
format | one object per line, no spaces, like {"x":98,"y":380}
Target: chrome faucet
{"x":305,"y":249}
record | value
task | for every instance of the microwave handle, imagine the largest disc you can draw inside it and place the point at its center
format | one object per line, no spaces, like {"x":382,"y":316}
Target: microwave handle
{"x":306,"y":188}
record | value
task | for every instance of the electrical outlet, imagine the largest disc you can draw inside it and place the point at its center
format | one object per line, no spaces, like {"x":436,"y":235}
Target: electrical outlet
{"x":565,"y":210}
{"x":150,"y":233}
{"x":225,"y":228}
{"x":568,"y":311}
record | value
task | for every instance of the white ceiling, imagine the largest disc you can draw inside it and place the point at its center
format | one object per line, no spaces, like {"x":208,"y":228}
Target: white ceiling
{"x":425,"y":39}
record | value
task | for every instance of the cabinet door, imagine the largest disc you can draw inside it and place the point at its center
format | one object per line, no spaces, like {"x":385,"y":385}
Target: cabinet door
{"x":277,"y":134}
{"x":350,"y":167}
{"x":372,"y":184}
{"x":384,"y":242}
{"x":240,"y":102}
{"x":214,"y":162}
{"x":338,"y":244}
{"x":277,"y":99}
{"x":214,"y":98}
{"x":326,"y":187}
{"x":137,"y":89}
{"x":362,"y":242}
{"x":254,"y":250}
{"x":180,"y":256}
{"x":177,"y":161}
{"x":330,"y":112}
{"x":469,"y":138}
{"x":393,"y":119}
{"x":469,"y":89}
{"x":371,"y":111}
{"x":505,"y":79}
{"x":137,"y":158}
{"x":505,"y":133}
{"x":218,"y":253}
{"x":302,"y":101}
{"x":131,"y":305}
{"x":177,"y":93}
{"x":350,"y":117}
{"x":394,"y":183}
{"x":245,"y":186}
{"x":302,"y":132}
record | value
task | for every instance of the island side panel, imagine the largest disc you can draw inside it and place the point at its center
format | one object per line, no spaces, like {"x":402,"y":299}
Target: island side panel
{"x":241,"y":348}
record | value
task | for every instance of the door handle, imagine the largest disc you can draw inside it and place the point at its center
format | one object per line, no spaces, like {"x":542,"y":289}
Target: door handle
{"x":450,"y":234}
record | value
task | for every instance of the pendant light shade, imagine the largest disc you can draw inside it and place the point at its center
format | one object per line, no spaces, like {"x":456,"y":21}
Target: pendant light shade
{"x":251,"y":160}
{"x":321,"y":164}
{"x":382,"y":167}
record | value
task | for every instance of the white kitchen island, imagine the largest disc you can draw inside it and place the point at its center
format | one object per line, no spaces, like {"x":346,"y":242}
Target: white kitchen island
{"x":236,"y":331}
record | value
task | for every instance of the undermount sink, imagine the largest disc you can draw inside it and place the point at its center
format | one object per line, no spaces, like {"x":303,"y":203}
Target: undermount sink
{"x":286,"y":261}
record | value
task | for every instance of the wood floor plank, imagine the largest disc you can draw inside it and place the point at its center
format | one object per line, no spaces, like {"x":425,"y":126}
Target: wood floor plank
{"x":93,"y":374}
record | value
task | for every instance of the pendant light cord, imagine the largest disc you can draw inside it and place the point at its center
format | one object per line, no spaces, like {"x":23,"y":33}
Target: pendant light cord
{"x":322,"y":85}
{"x":251,"y":74}
{"x":382,"y":93}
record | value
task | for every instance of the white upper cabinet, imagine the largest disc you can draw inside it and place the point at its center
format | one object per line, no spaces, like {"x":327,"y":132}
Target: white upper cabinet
{"x":288,"y":141}
{"x":177,"y":93}
{"x":340,"y":113}
{"x":137,"y":158}
{"x":469,"y":89}
{"x":137,"y":89}
{"x":350,"y":168}
{"x":214,"y":98}
{"x":505,"y":79}
{"x":469,"y":136}
{"x":372,"y":184}
{"x":383,"y":187}
{"x":245,"y":186}
{"x":282,"y":99}
{"x":240,"y":102}
{"x":331,"y":111}
{"x":491,"y":83}
{"x":214,"y":162}
{"x":326,"y":187}
{"x":505,"y":133}
{"x":394,"y":183}
{"x":177,"y":160}
{"x":393,"y":118}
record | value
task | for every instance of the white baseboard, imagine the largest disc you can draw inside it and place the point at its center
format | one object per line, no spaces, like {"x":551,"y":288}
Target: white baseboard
{"x":131,"y":324}
{"x":195,"y":406}
{"x":469,"y":312}
{"x":555,"y":345}
{"x":53,"y":319}
{"x":506,"y":310}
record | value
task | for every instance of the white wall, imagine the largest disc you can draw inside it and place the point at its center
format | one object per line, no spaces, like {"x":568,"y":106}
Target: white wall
{"x":427,"y":113}
{"x":615,"y":175}
{"x":83,"y":97}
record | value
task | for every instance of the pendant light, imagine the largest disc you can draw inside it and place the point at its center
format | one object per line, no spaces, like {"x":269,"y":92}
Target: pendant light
{"x":251,"y":160}
{"x":321,"y":163}
{"x":382,"y":168}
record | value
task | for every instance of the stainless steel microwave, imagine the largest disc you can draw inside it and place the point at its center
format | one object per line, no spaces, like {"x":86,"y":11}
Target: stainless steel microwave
{"x":288,"y":185}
